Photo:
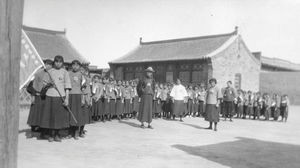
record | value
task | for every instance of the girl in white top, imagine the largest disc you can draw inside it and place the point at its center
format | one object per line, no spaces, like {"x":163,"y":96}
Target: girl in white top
{"x":178,"y":95}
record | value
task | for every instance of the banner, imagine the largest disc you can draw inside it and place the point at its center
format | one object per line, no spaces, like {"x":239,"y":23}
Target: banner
{"x":30,"y":60}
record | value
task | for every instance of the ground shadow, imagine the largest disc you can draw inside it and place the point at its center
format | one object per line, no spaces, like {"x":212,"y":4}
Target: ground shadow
{"x":130,"y":123}
{"x":246,"y":152}
{"x":194,"y":126}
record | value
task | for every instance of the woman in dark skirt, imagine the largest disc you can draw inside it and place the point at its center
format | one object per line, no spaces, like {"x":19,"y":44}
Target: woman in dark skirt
{"x":55,"y":116}
{"x":196,"y":102}
{"x":136,"y":100}
{"x":37,"y":105}
{"x":75,"y":100}
{"x":127,"y":100}
{"x":112,"y":99}
{"x":284,"y":108}
{"x":155,"y":101}
{"x":201,"y":97}
{"x":86,"y":100}
{"x":190,"y":103}
{"x":119,"y":100}
{"x":212,"y":104}
{"x":179,"y":97}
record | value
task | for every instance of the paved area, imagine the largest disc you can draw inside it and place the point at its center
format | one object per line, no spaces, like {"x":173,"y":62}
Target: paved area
{"x":238,"y":144}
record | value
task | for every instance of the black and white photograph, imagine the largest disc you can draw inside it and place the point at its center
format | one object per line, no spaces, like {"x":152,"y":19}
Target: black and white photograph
{"x":149,"y":83}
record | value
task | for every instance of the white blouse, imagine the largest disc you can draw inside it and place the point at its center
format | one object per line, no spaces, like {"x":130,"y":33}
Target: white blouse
{"x":178,"y":92}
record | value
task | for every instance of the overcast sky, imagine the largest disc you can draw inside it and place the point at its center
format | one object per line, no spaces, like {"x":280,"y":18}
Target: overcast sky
{"x":103,"y":30}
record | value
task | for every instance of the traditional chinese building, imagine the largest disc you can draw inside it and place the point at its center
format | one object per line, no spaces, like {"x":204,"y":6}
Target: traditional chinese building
{"x":193,"y":60}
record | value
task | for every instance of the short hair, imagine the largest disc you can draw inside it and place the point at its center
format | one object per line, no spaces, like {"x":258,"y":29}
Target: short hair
{"x":48,"y":62}
{"x":76,"y":62}
{"x":229,"y":82}
{"x":97,"y":76}
{"x":59,"y":58}
{"x":213,"y":80}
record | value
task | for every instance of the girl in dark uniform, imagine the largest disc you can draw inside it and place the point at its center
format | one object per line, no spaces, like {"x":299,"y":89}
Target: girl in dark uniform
{"x":212,"y":104}
{"x":55,"y":116}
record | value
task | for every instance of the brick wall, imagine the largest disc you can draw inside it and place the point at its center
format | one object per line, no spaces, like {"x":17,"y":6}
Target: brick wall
{"x":236,"y":59}
{"x":281,"y":83}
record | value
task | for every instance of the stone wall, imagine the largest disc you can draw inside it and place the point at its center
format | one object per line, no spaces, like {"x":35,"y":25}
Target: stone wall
{"x":236,"y":59}
{"x":281,"y":83}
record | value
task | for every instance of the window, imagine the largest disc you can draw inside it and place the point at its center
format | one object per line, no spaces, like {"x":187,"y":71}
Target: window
{"x":129,"y":76}
{"x":139,"y":75}
{"x":238,"y":81}
{"x":196,"y":76}
{"x":184,"y":76}
{"x":169,"y":77}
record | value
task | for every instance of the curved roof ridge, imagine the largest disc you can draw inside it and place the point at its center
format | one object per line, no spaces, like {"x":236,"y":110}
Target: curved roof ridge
{"x":188,"y":38}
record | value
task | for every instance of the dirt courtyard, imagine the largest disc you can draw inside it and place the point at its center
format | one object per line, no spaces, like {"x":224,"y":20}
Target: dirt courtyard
{"x":123,"y":144}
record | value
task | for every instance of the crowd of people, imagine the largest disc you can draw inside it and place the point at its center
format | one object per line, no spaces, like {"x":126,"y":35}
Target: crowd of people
{"x":68,"y":100}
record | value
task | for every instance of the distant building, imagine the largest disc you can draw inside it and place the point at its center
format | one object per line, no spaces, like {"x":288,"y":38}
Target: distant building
{"x":193,"y":60}
{"x":48,"y":44}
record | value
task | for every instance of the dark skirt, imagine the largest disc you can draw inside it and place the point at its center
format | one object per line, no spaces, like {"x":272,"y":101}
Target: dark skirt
{"x":155,"y":107}
{"x":283,"y":111}
{"x":250,"y":111}
{"x":145,"y":112}
{"x":212,"y":113}
{"x":163,"y":105}
{"x":136,"y":104}
{"x":112,"y":106}
{"x":190,"y":106}
{"x":127,"y":106}
{"x":36,"y":109}
{"x":196,"y":107}
{"x":97,"y":108}
{"x":86,"y":113}
{"x":228,"y":108}
{"x":106,"y":107}
{"x":179,"y":108}
{"x":119,"y":107}
{"x":55,"y":115}
{"x":76,"y":108}
{"x":201,"y":107}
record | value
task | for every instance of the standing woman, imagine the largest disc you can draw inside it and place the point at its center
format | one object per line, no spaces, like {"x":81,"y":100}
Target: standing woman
{"x":120,"y":100}
{"x":178,"y":94}
{"x":212,"y":104}
{"x":136,"y":99}
{"x":75,"y":100}
{"x":55,"y":116}
{"x":86,"y":100}
{"x":146,"y":92}
{"x":37,"y":105}
{"x":201,"y":98}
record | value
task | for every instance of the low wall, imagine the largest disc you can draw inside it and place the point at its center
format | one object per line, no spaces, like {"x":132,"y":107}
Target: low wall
{"x":282,"y":83}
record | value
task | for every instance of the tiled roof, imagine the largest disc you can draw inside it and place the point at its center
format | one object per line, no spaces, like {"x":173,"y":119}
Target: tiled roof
{"x":276,"y":62}
{"x":50,"y":43}
{"x":175,"y":49}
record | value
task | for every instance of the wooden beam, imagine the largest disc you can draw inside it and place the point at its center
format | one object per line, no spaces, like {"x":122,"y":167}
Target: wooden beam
{"x":11,"y":14}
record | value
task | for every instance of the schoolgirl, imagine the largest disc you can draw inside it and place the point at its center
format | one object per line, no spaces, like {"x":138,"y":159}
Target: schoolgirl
{"x":55,"y":116}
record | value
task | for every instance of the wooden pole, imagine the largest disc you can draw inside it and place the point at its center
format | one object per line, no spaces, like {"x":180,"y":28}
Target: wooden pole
{"x":11,"y":15}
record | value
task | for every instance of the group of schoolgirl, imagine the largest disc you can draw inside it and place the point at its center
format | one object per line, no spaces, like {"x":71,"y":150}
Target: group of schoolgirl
{"x":254,"y":104}
{"x":62,"y":100}
{"x":113,"y":99}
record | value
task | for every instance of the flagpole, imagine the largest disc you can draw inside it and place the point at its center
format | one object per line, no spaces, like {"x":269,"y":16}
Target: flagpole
{"x":54,"y":85}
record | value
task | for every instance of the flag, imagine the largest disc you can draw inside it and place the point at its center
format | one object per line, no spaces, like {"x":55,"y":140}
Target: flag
{"x":30,"y":60}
